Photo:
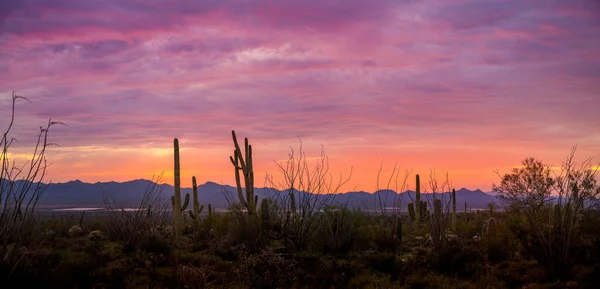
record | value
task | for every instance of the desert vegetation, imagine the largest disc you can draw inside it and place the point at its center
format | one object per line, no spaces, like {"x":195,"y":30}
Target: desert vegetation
{"x":543,"y":233}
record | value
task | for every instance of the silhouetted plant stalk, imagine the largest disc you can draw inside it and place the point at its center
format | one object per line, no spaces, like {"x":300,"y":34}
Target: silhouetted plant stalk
{"x":21,"y":187}
{"x":134,"y":226}
{"x":438,"y":197}
{"x":387,"y":207}
{"x":301,"y":197}
{"x":553,"y":205}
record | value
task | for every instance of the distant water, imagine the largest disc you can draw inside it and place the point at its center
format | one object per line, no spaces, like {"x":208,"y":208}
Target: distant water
{"x":98,"y":209}
{"x":77,"y":209}
{"x":90,"y":209}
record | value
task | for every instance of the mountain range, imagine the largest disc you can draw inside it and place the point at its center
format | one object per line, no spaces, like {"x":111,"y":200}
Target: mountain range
{"x":128,"y":194}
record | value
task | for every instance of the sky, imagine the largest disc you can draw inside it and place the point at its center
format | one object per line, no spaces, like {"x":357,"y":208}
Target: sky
{"x":465,"y":87}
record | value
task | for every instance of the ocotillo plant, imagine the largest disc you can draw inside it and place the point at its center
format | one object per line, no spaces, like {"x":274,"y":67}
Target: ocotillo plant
{"x":244,"y":163}
{"x":178,"y":221}
{"x":195,"y":213}
{"x":453,"y":210}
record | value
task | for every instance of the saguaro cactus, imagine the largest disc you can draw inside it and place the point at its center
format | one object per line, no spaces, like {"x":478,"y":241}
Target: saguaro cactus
{"x":416,"y":211}
{"x":178,"y":221}
{"x":243,"y":163}
{"x":197,"y":210}
{"x":423,"y":212}
{"x":265,"y":217}
{"x":453,"y":210}
{"x":418,"y":200}
{"x":437,"y":208}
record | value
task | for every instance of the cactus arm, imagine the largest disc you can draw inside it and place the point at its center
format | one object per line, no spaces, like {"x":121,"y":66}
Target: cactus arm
{"x":186,"y":202}
{"x":238,"y":150}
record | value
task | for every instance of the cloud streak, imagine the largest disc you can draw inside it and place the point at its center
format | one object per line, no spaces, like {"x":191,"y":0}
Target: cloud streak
{"x":465,"y":86}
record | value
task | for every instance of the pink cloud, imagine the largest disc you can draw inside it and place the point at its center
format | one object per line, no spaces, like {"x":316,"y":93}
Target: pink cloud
{"x":362,"y":76}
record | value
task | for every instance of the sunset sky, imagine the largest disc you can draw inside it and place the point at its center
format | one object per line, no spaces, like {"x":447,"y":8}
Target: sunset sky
{"x":463,"y":86}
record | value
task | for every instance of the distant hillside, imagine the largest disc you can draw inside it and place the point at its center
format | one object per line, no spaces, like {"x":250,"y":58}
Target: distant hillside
{"x":129,"y":194}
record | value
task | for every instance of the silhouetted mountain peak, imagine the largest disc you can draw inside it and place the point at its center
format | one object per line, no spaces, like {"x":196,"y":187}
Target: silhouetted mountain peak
{"x":78,"y":193}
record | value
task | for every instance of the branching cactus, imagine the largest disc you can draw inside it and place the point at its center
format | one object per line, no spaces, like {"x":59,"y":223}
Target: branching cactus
{"x":197,"y":210}
{"x":243,"y":163}
{"x":178,"y":216}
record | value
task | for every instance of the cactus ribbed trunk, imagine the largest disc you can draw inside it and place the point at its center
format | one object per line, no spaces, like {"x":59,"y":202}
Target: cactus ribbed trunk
{"x":453,"y":210}
{"x":195,"y":194}
{"x":418,"y":202}
{"x":177,"y":214}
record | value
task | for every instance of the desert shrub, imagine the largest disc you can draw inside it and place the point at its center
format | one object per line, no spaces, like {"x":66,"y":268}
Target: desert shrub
{"x":385,"y":234}
{"x":21,"y":187}
{"x":267,"y":269}
{"x":432,"y":280}
{"x":158,"y":241}
{"x":337,"y":233}
{"x":551,"y":229}
{"x":372,"y":280}
{"x":500,"y":244}
{"x":203,"y":276}
{"x":462,"y":258}
{"x":382,"y":262}
{"x":518,"y":272}
{"x":365,"y":235}
{"x":137,"y":228}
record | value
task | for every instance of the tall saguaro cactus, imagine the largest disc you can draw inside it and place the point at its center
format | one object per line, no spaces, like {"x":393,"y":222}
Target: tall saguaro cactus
{"x":418,"y":201}
{"x":453,"y":210}
{"x":178,"y":221}
{"x":418,"y":211}
{"x":243,"y":163}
